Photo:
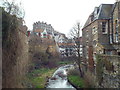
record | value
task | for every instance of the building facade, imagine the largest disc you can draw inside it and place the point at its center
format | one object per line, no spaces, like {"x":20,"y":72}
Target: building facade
{"x":67,"y":48}
{"x":100,"y":32}
{"x":115,"y":27}
{"x":43,"y":26}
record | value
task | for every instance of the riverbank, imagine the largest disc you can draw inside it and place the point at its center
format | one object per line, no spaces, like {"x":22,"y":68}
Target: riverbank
{"x":75,"y":80}
{"x":38,"y":77}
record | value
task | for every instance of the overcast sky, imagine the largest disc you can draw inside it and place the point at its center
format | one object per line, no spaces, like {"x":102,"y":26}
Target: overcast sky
{"x":61,"y":14}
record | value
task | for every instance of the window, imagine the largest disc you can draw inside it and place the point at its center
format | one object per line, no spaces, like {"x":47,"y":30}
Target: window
{"x":87,"y":35}
{"x":116,"y":30}
{"x":109,"y":52}
{"x":39,"y":34}
{"x":94,"y":42}
{"x":87,"y":42}
{"x":103,"y":27}
{"x":111,"y":39}
{"x":116,"y":37}
{"x":93,"y":29}
{"x":44,"y":35}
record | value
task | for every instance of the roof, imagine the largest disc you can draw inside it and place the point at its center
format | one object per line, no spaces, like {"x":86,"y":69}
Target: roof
{"x":39,"y":30}
{"x":89,"y":20}
{"x":101,"y":12}
{"x":118,"y":2}
{"x":105,"y":11}
{"x":108,"y":46}
{"x":66,"y":45}
{"x":56,"y":32}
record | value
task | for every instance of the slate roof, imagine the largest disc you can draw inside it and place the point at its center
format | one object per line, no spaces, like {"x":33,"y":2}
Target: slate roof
{"x":115,"y":6}
{"x":88,"y":20}
{"x":103,"y":12}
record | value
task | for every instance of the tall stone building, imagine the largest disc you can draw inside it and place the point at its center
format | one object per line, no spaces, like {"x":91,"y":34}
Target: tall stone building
{"x":99,"y":32}
{"x":115,"y":27}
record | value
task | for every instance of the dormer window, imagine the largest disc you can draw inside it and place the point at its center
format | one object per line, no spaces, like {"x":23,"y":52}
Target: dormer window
{"x":96,"y":12}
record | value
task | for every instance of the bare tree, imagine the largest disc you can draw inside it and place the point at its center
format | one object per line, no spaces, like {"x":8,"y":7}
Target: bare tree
{"x":75,"y":34}
{"x":14,"y":8}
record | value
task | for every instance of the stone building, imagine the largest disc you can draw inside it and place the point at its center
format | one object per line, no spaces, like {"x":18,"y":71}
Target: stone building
{"x":46,"y":30}
{"x":99,"y":32}
{"x":43,"y":26}
{"x":115,"y":27}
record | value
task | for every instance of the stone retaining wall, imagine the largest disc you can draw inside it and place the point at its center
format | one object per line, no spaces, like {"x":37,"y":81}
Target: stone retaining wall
{"x":110,"y":72}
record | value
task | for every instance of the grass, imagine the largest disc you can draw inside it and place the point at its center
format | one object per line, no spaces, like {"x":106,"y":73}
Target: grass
{"x":77,"y":81}
{"x":64,"y":62}
{"x":37,"y":78}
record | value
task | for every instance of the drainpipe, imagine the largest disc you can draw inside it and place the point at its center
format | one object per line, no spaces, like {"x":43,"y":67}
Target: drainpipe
{"x":109,"y":30}
{"x":112,"y":27}
{"x":118,"y":24}
{"x":118,"y":19}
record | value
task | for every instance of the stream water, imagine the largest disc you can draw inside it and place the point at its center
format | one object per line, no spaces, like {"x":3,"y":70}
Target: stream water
{"x":59,"y":78}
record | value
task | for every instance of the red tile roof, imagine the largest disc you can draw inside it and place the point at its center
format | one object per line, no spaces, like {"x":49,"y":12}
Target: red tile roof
{"x":39,"y":30}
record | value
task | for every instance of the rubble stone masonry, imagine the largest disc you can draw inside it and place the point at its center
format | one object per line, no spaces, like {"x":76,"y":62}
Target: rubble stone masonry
{"x":110,"y":72}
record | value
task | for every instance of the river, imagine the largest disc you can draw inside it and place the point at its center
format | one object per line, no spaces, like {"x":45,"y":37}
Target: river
{"x":59,"y":78}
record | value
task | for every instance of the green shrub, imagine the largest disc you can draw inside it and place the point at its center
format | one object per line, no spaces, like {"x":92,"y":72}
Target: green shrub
{"x":77,"y":81}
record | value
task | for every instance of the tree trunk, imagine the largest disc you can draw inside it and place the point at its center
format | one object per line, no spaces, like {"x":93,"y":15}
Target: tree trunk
{"x":81,"y":74}
{"x":79,"y":62}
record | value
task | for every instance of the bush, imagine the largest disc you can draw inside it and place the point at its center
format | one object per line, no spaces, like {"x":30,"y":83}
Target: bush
{"x":74,"y":72}
{"x":89,"y":80}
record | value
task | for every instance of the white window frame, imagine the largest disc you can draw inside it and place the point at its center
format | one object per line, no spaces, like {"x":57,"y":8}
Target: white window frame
{"x":105,"y":32}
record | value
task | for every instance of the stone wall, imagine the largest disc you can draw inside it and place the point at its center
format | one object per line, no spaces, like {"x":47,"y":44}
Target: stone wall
{"x":14,"y":51}
{"x":108,"y":71}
